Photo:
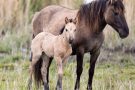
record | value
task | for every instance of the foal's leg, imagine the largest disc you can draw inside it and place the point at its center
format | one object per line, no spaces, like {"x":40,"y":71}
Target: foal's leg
{"x":79,"y":70}
{"x":50,"y":61}
{"x":45,"y":65}
{"x":93,"y":59}
{"x":60,"y":73}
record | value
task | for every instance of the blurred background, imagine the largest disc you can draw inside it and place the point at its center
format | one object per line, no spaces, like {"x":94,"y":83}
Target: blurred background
{"x":115,"y":69}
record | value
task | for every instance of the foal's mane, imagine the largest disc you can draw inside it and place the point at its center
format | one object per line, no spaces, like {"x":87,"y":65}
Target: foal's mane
{"x":93,"y":12}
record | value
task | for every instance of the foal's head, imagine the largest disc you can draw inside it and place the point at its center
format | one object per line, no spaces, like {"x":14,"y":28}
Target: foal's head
{"x":70,"y":29}
{"x":114,"y":16}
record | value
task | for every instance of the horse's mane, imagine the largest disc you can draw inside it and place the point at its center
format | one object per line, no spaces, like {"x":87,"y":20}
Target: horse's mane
{"x":93,"y":11}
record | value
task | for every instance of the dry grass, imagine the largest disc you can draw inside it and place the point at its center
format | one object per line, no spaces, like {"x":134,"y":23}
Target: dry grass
{"x":12,"y":14}
{"x":108,"y":75}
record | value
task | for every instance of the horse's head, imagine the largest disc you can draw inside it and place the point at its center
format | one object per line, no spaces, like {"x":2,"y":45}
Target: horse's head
{"x":70,"y":29}
{"x":114,"y":16}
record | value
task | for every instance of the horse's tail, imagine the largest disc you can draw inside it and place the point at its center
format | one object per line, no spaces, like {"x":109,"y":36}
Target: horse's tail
{"x":31,"y":54}
{"x":33,"y":36}
{"x":37,"y":72}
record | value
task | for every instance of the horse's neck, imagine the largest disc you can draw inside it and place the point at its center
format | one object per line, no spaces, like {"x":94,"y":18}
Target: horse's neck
{"x":98,"y":27}
{"x":95,"y":29}
{"x":101,"y":26}
{"x":95,"y":22}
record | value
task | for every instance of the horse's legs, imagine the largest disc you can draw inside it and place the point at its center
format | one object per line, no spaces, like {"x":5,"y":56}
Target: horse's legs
{"x":30,"y":79}
{"x":50,"y":61}
{"x":79,"y":70}
{"x":60,"y":73}
{"x":44,"y":71}
{"x":93,"y":59}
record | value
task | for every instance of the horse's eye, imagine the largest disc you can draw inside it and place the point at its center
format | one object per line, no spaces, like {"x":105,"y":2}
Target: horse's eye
{"x":116,"y":13}
{"x":75,"y":29}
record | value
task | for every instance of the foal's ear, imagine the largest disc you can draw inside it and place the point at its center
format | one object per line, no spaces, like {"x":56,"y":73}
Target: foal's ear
{"x":75,"y":21}
{"x":66,"y":20}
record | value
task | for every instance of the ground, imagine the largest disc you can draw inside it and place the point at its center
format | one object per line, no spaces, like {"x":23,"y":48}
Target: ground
{"x":109,"y":75}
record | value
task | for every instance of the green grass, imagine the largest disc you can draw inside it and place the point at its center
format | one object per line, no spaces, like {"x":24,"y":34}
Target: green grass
{"x":108,"y":76}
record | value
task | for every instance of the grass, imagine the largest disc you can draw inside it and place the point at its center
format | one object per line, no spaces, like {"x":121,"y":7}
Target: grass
{"x":108,"y":76}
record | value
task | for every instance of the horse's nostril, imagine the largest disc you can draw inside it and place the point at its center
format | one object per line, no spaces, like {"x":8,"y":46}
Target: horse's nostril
{"x":124,"y":32}
{"x":124,"y":35}
{"x":127,"y":30}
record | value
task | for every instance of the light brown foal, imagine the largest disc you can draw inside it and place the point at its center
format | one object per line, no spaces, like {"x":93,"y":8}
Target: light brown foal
{"x":58,"y":47}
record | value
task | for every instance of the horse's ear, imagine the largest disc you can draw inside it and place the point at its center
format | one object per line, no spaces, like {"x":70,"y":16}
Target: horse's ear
{"x":66,"y":20}
{"x":112,"y":1}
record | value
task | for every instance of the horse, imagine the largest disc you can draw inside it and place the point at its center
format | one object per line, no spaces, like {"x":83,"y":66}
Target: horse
{"x":58,"y":47}
{"x":91,"y":21}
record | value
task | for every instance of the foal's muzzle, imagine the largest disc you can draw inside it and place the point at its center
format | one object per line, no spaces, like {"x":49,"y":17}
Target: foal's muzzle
{"x":70,"y":41}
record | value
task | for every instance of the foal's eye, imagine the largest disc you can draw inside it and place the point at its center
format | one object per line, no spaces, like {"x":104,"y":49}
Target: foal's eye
{"x":66,"y":30}
{"x":75,"y":29}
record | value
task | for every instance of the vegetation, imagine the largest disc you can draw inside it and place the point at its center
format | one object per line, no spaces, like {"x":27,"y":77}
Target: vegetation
{"x":109,"y":75}
{"x":115,"y":69}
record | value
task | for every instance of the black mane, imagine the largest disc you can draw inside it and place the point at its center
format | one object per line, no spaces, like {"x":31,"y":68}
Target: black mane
{"x":94,"y":11}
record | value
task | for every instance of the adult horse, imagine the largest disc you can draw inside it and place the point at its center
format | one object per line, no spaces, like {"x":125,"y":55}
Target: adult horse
{"x":92,"y":19}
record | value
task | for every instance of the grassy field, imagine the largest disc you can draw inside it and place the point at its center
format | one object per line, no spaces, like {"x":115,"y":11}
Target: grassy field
{"x":113,"y":74}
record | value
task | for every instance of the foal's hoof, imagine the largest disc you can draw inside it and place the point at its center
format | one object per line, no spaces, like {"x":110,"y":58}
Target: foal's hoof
{"x":46,"y":86}
{"x":89,"y":88}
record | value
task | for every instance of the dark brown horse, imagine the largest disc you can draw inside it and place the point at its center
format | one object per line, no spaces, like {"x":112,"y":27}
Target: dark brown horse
{"x":92,"y":19}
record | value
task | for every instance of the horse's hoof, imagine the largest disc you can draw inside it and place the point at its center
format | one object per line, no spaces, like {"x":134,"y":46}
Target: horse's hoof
{"x":77,"y":87}
{"x":57,"y":88}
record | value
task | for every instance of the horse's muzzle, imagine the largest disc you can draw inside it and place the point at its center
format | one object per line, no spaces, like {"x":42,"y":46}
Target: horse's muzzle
{"x":124,"y":34}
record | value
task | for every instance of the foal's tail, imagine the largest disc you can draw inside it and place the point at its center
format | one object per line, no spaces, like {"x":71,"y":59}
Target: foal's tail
{"x":37,"y":72}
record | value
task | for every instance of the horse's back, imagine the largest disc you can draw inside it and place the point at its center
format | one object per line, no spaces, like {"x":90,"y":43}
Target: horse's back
{"x":52,"y":17}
